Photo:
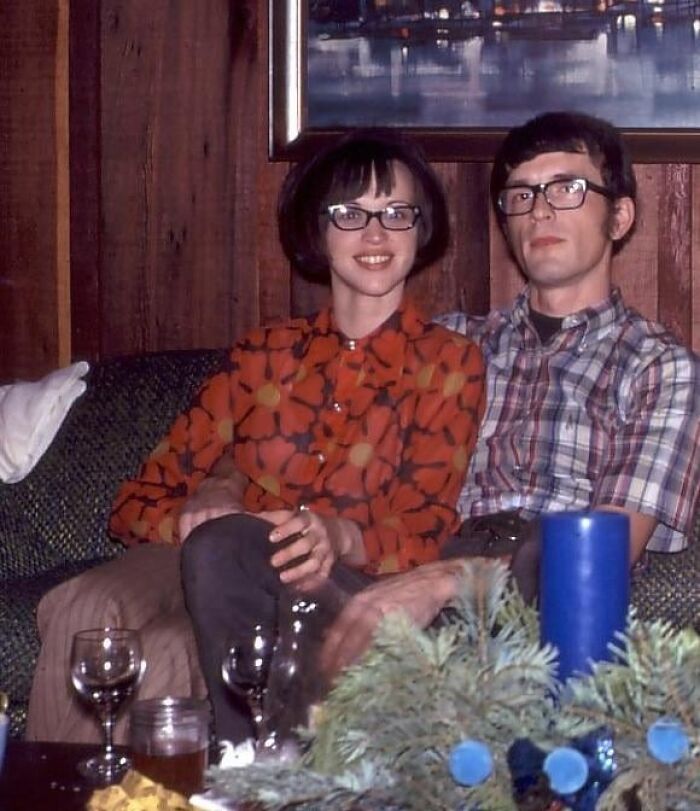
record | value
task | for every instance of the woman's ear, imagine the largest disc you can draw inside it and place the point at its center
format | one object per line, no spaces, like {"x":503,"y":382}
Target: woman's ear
{"x":622,"y":218}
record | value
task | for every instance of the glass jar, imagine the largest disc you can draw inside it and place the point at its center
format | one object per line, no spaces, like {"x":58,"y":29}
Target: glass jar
{"x":169,"y":740}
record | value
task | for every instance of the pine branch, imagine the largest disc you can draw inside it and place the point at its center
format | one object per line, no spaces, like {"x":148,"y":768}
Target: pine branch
{"x":383,"y":737}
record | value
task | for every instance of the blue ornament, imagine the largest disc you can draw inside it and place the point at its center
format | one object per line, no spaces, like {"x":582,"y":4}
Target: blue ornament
{"x":598,"y":750}
{"x":471,"y":763}
{"x":667,"y":740}
{"x":567,"y":770}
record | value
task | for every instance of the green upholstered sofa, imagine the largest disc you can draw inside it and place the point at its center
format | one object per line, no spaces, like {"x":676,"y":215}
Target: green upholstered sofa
{"x":53,"y":523}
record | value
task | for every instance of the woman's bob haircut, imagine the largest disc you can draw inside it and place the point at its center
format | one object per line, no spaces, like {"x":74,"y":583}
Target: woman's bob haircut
{"x":342,"y":173}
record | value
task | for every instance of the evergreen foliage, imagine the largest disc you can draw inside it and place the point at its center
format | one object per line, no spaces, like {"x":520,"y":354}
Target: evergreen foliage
{"x":383,"y":737}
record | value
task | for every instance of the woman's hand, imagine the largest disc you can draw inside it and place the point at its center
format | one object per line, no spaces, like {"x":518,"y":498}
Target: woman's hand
{"x":313,"y":543}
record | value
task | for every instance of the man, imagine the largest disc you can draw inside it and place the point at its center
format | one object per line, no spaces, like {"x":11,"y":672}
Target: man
{"x":588,"y":403}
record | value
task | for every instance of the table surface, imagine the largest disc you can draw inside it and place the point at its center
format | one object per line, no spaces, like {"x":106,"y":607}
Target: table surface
{"x":39,"y":776}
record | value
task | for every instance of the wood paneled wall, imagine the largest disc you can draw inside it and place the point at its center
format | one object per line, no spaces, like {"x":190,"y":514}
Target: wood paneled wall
{"x":171,"y":197}
{"x":34,"y":303}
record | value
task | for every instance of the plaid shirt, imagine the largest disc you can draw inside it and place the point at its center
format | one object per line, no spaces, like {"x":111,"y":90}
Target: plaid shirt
{"x":606,"y":413}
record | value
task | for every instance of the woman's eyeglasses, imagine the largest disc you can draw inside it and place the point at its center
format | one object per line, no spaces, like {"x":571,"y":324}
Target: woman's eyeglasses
{"x":354,"y":218}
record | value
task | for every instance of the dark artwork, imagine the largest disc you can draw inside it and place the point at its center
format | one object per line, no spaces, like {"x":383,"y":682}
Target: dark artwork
{"x":494,"y":63}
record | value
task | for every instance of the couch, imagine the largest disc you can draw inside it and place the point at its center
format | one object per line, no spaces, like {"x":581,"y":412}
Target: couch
{"x":53,"y":522}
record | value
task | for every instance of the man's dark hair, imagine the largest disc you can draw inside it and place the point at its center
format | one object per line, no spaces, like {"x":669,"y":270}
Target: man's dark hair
{"x":344,"y":172}
{"x":567,"y":131}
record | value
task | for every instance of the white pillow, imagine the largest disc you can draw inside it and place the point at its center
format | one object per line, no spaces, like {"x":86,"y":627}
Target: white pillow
{"x":31,"y":414}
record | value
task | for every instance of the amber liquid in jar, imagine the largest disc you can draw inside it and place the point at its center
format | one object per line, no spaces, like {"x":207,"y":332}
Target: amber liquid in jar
{"x":182,"y":771}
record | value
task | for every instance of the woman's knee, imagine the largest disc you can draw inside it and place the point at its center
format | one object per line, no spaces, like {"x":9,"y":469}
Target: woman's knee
{"x":224,"y":541}
{"x":225,"y":550}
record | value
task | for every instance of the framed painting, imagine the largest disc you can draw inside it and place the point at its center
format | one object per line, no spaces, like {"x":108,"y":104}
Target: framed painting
{"x":458,"y":73}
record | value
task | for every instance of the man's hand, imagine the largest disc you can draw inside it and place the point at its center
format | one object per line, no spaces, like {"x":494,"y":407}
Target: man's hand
{"x":419,"y":594}
{"x":314,"y":543}
{"x":221,"y":493}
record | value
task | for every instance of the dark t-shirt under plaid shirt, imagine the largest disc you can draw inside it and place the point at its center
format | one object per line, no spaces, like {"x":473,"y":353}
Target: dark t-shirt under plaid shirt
{"x":606,"y":412}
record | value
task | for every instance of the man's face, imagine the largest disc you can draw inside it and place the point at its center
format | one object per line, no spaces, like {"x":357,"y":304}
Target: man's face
{"x":566,"y":254}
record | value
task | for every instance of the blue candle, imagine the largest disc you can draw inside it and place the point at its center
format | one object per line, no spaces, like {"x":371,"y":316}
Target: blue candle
{"x":584,"y":585}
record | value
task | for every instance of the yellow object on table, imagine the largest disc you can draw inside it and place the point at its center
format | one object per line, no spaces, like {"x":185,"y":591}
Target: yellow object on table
{"x":137,"y":793}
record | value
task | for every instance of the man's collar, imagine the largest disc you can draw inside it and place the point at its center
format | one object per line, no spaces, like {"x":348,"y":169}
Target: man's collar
{"x":597,"y":320}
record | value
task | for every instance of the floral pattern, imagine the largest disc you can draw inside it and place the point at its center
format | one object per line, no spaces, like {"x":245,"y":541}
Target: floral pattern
{"x":377,"y":430}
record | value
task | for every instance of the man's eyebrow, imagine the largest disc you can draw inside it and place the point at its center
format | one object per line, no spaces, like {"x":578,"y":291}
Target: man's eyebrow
{"x":517,"y":181}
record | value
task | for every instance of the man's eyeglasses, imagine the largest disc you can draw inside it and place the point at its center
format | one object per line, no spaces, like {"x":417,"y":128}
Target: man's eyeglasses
{"x":355,"y":218}
{"x":562,"y":194}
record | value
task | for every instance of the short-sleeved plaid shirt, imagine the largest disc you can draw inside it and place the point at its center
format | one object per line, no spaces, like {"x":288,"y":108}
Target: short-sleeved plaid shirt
{"x":605,"y":413}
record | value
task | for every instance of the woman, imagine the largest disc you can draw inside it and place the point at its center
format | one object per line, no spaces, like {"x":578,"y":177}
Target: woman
{"x":350,"y":431}
{"x":333,"y":446}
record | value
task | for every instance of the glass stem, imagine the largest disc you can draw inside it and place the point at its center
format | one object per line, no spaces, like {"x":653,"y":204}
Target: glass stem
{"x":108,"y":731}
{"x":256,"y":709}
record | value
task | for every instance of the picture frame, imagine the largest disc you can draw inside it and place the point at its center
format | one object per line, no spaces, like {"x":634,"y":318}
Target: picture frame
{"x":292,"y":134}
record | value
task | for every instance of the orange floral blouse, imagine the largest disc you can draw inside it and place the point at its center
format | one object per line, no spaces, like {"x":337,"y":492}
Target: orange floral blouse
{"x":378,"y":430}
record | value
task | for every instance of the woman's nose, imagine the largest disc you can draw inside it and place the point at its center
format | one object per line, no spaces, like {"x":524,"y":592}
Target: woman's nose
{"x":374,"y":230}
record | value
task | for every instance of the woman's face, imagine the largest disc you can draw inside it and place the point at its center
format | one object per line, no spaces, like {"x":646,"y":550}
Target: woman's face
{"x":374,"y":261}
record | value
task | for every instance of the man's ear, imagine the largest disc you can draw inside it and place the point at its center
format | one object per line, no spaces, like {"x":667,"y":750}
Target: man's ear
{"x":622,"y":217}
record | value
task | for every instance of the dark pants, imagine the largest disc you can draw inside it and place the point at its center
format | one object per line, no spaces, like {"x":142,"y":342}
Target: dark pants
{"x":229,"y":588}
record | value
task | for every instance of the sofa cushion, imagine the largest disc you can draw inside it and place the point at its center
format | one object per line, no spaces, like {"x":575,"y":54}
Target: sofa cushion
{"x":668,"y":587}
{"x":59,"y":511}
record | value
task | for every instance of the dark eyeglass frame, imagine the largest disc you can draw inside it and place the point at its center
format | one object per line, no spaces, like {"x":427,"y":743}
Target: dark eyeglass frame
{"x":543,"y":189}
{"x":332,"y":210}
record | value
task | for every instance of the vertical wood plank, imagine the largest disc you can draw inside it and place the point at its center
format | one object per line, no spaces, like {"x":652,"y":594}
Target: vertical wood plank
{"x":244,"y":143}
{"x":28,"y":192}
{"x":61,"y":83}
{"x":277,"y":288}
{"x":695,"y":258}
{"x":85,"y":198}
{"x":460,"y":280}
{"x":635,"y":268}
{"x":675,"y":250}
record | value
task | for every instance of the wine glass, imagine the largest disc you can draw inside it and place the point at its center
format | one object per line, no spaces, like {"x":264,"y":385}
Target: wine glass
{"x":245,"y":667}
{"x":106,"y":666}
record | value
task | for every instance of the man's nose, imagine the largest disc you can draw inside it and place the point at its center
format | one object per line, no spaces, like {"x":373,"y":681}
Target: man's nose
{"x":540,"y":207}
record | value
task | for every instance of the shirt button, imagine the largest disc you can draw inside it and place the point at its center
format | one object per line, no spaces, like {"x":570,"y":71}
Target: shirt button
{"x":336,"y":407}
{"x":321,"y":457}
{"x":351,"y":344}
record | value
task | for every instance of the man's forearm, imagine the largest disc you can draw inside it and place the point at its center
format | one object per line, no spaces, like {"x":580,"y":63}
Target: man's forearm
{"x":641,"y":528}
{"x":420,"y":594}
